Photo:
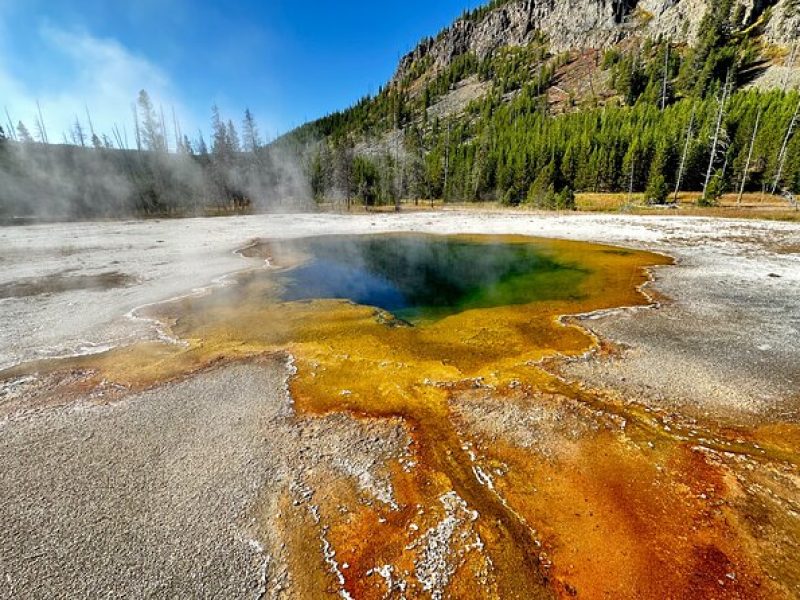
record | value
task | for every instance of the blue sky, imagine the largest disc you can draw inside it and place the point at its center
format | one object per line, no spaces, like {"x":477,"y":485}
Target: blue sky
{"x":289,"y":61}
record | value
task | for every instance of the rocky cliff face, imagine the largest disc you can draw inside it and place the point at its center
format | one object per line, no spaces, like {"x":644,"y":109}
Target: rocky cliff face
{"x":582,"y":24}
{"x":784,"y":26}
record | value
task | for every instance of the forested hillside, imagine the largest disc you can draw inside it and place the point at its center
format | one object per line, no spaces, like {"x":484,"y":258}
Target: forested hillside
{"x":470,"y":116}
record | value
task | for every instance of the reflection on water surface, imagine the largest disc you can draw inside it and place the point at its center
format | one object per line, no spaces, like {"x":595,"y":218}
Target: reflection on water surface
{"x":421,"y":277}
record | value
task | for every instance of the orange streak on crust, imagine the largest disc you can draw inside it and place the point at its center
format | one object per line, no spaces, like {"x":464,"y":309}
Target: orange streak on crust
{"x":627,"y":523}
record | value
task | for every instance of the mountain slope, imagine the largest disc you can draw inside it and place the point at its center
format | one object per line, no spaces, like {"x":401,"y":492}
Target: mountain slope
{"x":530,"y":101}
{"x":583,"y":24}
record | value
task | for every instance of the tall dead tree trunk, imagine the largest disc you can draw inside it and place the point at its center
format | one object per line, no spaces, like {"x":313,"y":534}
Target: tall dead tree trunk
{"x":682,"y":167}
{"x":137,"y":130}
{"x":42,"y":128}
{"x":784,"y":147}
{"x":749,"y":157}
{"x":117,"y":137}
{"x":163,"y":140}
{"x":664,"y":81}
{"x":717,"y":131}
{"x":401,"y":168}
{"x":176,"y":128}
{"x":89,"y":119}
{"x":12,"y":131}
{"x":630,"y":187}
{"x":446,"y":163}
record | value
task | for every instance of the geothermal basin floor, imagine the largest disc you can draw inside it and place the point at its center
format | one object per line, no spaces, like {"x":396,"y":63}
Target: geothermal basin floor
{"x":158,"y":493}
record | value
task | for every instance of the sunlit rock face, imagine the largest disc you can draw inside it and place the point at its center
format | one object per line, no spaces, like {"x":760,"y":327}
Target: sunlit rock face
{"x":784,"y":26}
{"x":584,"y":24}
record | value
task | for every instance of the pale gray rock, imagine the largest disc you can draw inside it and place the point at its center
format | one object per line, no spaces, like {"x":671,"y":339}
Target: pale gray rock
{"x":584,"y":24}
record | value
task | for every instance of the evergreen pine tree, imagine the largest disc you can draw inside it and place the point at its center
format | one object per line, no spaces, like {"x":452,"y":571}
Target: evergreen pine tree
{"x":251,"y":140}
{"x":24,"y":135}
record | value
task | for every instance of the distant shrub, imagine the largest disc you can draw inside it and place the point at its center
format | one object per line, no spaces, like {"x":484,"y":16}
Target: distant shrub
{"x":657,"y":191}
{"x":566,"y":199}
{"x":713,"y":191}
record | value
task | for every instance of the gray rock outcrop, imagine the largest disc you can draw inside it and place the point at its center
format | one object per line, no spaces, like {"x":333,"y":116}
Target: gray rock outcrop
{"x":583,"y":24}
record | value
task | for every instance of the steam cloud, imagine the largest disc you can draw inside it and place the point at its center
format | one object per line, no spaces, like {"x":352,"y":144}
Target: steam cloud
{"x":46,"y":181}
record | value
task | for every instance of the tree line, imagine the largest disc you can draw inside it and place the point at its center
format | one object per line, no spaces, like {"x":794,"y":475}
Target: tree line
{"x":160,"y":171}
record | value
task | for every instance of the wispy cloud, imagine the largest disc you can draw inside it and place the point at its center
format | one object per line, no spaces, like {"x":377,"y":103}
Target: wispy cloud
{"x":95,"y":72}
